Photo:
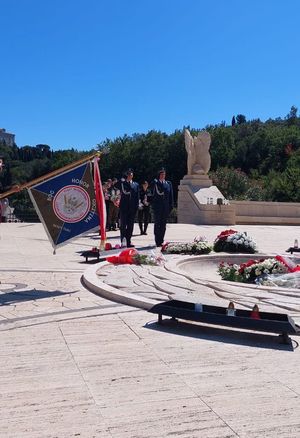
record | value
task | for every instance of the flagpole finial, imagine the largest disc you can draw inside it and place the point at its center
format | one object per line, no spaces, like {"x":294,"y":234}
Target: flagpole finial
{"x":97,"y":155}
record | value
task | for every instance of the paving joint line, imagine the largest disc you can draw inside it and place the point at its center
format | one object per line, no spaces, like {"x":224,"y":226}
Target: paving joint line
{"x":29,"y":270}
{"x":192,"y":390}
{"x":130,"y":328}
{"x":67,"y":319}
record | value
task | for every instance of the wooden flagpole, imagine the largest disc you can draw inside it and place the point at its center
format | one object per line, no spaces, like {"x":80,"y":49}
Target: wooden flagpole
{"x":18,"y":188}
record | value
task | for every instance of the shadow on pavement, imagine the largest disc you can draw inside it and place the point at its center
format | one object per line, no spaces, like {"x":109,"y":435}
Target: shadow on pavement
{"x":92,"y":261}
{"x":14,"y":296}
{"x":224,"y":335}
{"x":61,"y":315}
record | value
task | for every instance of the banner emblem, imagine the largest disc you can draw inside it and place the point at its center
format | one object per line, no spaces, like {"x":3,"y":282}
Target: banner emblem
{"x":71,"y":204}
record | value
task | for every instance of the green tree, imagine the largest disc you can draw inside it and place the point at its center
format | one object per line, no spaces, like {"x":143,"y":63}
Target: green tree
{"x":240,"y":118}
{"x":293,"y":112}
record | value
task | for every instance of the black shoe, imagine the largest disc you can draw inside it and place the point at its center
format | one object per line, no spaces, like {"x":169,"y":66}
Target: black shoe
{"x":130,"y":246}
{"x":145,"y":234}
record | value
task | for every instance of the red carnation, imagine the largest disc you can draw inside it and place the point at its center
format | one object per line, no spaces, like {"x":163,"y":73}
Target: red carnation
{"x":224,"y":234}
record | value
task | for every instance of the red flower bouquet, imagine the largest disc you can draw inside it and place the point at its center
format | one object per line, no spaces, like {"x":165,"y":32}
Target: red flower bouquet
{"x":131,"y":256}
{"x":234,"y":242}
{"x":126,"y":257}
{"x":251,"y":270}
{"x":224,"y":234}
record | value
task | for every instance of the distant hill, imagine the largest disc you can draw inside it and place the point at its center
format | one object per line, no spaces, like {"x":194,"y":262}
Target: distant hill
{"x":250,"y":159}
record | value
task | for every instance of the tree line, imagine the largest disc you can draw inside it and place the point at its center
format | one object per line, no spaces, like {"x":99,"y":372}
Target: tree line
{"x":251,"y":160}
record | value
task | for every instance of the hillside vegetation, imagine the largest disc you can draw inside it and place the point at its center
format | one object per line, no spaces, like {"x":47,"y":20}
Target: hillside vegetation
{"x":251,"y":160}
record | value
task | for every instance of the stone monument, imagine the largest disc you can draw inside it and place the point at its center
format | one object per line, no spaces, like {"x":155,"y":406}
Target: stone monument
{"x":199,"y":201}
{"x":198,"y":159}
{"x":198,"y":156}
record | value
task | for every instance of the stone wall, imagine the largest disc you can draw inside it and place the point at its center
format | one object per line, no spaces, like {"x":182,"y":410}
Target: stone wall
{"x":200,"y":202}
{"x":9,"y":139}
{"x":199,"y":205}
{"x":254,"y":212}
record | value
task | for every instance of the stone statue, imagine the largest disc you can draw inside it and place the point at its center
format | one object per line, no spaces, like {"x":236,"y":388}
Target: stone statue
{"x":198,"y":156}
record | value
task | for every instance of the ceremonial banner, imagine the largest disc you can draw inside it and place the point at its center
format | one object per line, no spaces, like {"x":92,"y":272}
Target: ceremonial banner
{"x":66,"y":204}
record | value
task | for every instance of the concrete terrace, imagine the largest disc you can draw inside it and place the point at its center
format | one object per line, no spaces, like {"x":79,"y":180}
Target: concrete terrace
{"x":75,"y":364}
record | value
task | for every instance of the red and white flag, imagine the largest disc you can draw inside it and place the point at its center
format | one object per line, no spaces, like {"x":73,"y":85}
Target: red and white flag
{"x":100,"y":201}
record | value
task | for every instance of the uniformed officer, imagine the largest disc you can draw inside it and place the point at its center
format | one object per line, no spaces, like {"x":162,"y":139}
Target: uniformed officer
{"x":129,"y":201}
{"x":162,"y":203}
{"x":145,"y":196}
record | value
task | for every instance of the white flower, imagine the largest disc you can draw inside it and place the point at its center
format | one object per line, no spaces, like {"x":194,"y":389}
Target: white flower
{"x":200,"y":239}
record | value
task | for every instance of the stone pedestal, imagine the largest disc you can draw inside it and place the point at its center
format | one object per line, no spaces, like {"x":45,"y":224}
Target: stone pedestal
{"x":199,"y":202}
{"x":199,"y":181}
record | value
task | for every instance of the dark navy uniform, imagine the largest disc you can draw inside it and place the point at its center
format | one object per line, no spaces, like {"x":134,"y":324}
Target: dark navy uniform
{"x":162,"y":203}
{"x":129,"y":192}
{"x":144,"y":209}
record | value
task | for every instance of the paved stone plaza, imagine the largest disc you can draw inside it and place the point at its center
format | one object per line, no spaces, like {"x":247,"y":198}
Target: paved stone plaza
{"x":74,"y":364}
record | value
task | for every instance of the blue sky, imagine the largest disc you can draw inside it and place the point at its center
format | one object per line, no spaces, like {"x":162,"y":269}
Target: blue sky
{"x":75,"y":72}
